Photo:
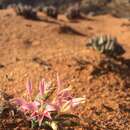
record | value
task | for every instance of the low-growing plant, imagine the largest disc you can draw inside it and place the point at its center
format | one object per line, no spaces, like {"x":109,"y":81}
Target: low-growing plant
{"x":51,"y":11}
{"x":26,"y":11}
{"x":73,"y":12}
{"x":106,"y":44}
{"x":51,"y":108}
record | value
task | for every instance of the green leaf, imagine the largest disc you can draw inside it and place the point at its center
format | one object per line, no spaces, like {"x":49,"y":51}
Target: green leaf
{"x":70,"y":123}
{"x":34,"y":124}
{"x":59,"y":119}
{"x":68,"y":116}
{"x":47,"y":125}
{"x":49,"y":93}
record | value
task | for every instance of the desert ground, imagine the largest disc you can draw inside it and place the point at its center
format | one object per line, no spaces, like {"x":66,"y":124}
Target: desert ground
{"x":37,"y":49}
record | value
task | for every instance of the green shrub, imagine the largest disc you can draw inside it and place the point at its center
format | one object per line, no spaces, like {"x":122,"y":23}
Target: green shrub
{"x":52,"y":11}
{"x":26,"y":11}
{"x":73,"y":12}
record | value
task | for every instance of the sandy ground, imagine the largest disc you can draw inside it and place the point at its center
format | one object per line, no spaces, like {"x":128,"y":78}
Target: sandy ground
{"x":36,"y":50}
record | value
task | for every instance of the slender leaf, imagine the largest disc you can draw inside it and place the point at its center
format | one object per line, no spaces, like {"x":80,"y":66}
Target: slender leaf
{"x":34,"y":124}
{"x":47,"y":125}
{"x":68,"y":116}
{"x":70,"y":124}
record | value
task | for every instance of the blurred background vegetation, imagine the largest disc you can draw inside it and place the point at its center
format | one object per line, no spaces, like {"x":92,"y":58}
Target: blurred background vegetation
{"x":118,"y":8}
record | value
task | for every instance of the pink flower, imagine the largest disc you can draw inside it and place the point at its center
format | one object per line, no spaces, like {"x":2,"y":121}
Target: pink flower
{"x":47,"y":114}
{"x":62,"y":97}
{"x":62,"y":100}
{"x":41,"y":107}
{"x":44,"y":114}
{"x":65,"y":94}
{"x":29,"y":87}
{"x":62,"y":94}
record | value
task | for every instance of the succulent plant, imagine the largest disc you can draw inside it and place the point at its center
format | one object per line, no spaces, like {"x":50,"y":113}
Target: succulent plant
{"x":25,"y":11}
{"x":51,"y":11}
{"x":106,"y":44}
{"x":73,"y":12}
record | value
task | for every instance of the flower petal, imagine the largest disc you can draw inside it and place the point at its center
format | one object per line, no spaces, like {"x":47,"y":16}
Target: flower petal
{"x":65,"y":94}
{"x":42,"y":87}
{"x":50,"y":107}
{"x":29,"y":87}
{"x":19,"y":101}
{"x":44,"y":114}
{"x":41,"y":119}
{"x":29,"y":107}
{"x":58,"y":83}
{"x":76,"y":101}
{"x":66,"y":106}
{"x":47,"y":114}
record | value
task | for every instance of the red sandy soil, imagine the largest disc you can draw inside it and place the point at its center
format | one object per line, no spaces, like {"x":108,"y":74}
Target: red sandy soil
{"x":36,"y":50}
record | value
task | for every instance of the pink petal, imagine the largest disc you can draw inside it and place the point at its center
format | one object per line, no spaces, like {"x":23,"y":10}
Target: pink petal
{"x":44,"y":114}
{"x":76,"y":101}
{"x":42,"y":87}
{"x":29,"y":87}
{"x":19,"y":101}
{"x":50,"y":107}
{"x":65,"y":93}
{"x":33,"y":114}
{"x":41,"y":119}
{"x":29,"y":107}
{"x":47,"y":114}
{"x":37,"y":103}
